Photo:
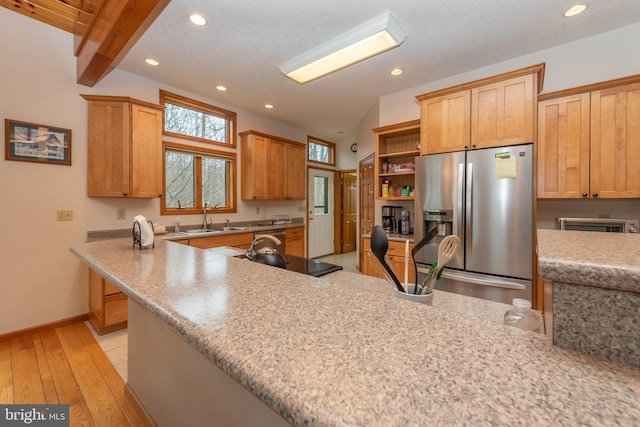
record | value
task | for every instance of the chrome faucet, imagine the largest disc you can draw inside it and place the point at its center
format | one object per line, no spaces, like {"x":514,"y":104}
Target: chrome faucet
{"x":227,"y":221}
{"x":206,"y":208}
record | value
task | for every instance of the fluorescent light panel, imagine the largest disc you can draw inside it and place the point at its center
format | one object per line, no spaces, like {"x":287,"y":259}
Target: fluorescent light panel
{"x":367,"y":40}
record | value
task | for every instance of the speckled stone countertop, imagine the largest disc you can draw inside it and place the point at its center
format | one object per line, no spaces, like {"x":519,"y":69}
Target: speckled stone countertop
{"x":604,"y":260}
{"x":342,"y":350}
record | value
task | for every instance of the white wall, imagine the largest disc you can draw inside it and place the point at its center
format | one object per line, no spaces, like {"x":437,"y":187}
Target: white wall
{"x":42,"y":281}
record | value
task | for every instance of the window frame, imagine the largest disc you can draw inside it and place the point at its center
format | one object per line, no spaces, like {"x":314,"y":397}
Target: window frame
{"x":202,"y":107}
{"x":206,"y":152}
{"x":318,"y":141}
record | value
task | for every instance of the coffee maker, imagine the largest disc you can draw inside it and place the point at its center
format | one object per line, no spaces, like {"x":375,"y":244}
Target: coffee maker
{"x":391,"y":216}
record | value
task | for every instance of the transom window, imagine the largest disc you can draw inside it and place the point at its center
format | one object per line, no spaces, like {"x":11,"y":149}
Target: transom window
{"x":191,"y":119}
{"x":321,"y":151}
{"x":196,"y":176}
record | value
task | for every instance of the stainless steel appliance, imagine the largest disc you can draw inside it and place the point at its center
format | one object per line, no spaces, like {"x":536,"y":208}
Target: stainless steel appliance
{"x":607,"y":225}
{"x":280,"y":234}
{"x":485,"y":198}
{"x":391,"y":216}
{"x":405,"y":222}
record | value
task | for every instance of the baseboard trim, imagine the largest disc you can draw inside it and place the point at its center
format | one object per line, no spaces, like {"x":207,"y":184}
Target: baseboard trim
{"x":37,"y":329}
{"x":141,"y":409}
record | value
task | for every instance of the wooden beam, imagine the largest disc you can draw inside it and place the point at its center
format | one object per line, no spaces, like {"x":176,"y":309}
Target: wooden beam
{"x":115,"y":28}
{"x":60,"y":16}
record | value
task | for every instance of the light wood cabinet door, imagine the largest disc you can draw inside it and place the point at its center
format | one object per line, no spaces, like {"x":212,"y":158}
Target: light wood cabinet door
{"x":254,"y":167}
{"x":124,"y":153}
{"x":396,"y":260}
{"x":240,"y":241}
{"x":615,"y":142}
{"x":503,"y":113}
{"x":563,"y":147}
{"x":277,"y":169}
{"x":146,"y":152}
{"x":296,"y":172}
{"x":446,"y":123}
{"x":107,"y":305}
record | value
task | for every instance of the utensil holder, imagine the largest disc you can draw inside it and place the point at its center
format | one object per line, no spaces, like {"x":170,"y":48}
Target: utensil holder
{"x":423,"y":299}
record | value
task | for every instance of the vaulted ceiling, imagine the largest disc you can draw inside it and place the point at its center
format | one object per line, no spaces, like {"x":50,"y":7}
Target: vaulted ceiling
{"x":246,"y":41}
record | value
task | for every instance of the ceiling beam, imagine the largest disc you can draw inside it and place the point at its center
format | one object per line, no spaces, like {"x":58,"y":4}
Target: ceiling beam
{"x":116,"y":26}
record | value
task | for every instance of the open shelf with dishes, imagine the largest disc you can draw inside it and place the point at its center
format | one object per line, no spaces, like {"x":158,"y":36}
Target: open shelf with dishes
{"x":396,"y":148}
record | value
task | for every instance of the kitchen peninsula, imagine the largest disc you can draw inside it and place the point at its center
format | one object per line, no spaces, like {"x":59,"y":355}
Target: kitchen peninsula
{"x":339,"y":350}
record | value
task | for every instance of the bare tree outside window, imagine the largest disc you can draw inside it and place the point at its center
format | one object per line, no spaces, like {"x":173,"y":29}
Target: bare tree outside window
{"x":180,"y":171}
{"x":186,"y":121}
{"x":321,"y":151}
{"x":214,"y":181}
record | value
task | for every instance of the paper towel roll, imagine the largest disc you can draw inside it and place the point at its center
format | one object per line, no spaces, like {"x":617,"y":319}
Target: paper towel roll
{"x":146,"y":233}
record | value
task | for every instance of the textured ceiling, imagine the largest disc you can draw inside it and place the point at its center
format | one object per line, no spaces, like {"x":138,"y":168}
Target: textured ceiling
{"x":245,"y":42}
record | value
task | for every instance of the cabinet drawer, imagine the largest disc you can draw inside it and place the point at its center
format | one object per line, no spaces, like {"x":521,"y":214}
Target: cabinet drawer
{"x":115,"y":309}
{"x":397,"y":248}
{"x":109,"y":289}
{"x":295,"y":232}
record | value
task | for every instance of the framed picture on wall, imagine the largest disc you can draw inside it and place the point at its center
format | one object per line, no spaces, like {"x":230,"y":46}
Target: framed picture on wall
{"x":30,"y":142}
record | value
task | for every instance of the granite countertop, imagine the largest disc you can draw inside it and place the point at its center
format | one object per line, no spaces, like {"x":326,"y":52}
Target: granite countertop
{"x":343,"y":350}
{"x":604,"y":260}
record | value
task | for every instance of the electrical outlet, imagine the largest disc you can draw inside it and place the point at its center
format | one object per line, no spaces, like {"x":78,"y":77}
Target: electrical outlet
{"x":64,"y":215}
{"x":257,"y":210}
{"x":302,"y":208}
{"x":121,"y":214}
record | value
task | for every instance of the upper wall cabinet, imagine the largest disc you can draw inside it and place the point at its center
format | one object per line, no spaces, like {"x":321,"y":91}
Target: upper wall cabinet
{"x":589,"y":141}
{"x":492,"y":112}
{"x":273,"y":168}
{"x":124,"y":147}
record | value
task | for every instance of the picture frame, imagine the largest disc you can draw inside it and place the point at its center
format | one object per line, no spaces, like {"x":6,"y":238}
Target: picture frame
{"x":31,"y":142}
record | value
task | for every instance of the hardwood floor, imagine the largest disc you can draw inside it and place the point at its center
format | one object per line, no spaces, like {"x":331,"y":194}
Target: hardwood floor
{"x":66,"y":365}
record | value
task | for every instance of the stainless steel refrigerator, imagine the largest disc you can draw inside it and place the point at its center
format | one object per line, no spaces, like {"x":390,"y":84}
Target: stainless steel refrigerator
{"x":484,"y":197}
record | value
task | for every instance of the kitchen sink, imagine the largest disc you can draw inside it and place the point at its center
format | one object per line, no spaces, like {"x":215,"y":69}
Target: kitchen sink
{"x":200,"y":230}
{"x":230,"y":228}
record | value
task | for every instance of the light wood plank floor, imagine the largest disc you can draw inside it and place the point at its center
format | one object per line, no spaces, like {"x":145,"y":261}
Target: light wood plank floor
{"x":66,"y":365}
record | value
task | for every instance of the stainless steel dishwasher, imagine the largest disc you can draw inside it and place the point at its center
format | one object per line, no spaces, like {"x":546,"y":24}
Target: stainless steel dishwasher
{"x":279,"y":233}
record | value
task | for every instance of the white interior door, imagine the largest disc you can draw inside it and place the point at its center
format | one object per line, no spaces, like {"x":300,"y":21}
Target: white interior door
{"x":321,"y":215}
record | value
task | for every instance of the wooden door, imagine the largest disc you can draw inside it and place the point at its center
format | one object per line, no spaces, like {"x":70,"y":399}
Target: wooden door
{"x":615,"y":142}
{"x":563,"y":147}
{"x":295,"y":168}
{"x":446,"y":123}
{"x":349,"y":201}
{"x":503,"y":113}
{"x":146,"y":151}
{"x":108,"y":149}
{"x":366,"y":206}
{"x":277,"y":169}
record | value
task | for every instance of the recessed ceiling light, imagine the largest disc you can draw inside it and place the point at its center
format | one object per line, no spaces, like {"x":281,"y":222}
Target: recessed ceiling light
{"x":198,"y":19}
{"x":396,"y":71}
{"x":221,"y":88}
{"x":575,"y":10}
{"x":151,"y":61}
{"x":269,"y":106}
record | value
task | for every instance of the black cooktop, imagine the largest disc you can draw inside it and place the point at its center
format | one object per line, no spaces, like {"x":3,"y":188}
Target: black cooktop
{"x":308,"y":266}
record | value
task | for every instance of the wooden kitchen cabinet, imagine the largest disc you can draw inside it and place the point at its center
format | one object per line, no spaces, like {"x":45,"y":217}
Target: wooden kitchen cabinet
{"x":615,"y":142}
{"x":240,"y":241}
{"x":589,"y":141}
{"x":396,"y":145}
{"x":295,"y":241}
{"x":396,"y":260}
{"x":107,"y":305}
{"x":447,"y":123}
{"x":124,"y":147}
{"x":563,"y":147}
{"x":496,"y":111}
{"x":273,"y":168}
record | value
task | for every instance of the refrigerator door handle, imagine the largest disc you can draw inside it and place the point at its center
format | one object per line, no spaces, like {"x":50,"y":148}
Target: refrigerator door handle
{"x":460,"y":211}
{"x":469,"y":211}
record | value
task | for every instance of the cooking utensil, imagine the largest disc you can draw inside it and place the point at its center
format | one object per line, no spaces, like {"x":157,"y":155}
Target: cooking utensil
{"x":379,"y":247}
{"x":415,"y":250}
{"x":448,"y":249}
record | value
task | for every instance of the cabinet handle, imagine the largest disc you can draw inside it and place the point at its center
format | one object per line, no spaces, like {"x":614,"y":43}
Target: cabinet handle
{"x":595,"y":194}
{"x":585,"y":195}
{"x":466,"y":147}
{"x":474,"y":145}
{"x":125,"y":194}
